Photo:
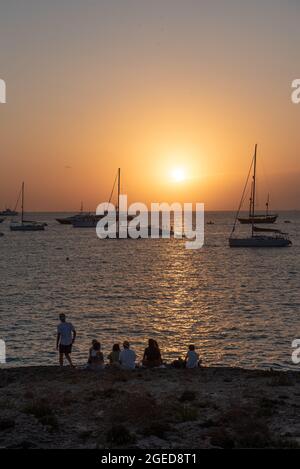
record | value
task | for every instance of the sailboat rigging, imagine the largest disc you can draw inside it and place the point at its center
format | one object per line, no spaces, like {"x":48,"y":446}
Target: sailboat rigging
{"x":277,"y":239}
{"x":25,"y":225}
{"x":254,"y":217}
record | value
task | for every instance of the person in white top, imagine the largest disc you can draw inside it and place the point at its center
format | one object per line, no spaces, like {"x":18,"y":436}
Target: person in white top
{"x":192,"y":358}
{"x":127,"y":357}
{"x":66,"y":335}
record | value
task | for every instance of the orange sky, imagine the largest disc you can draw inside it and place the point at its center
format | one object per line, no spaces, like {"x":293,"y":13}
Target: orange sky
{"x":149,"y":87}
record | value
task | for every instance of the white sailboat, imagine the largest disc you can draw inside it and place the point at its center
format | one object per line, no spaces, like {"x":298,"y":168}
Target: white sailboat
{"x":90,"y":220}
{"x":24,"y":225}
{"x":258,"y":237}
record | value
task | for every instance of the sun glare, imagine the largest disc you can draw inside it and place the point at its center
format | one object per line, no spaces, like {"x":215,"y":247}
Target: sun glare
{"x":178,"y":174}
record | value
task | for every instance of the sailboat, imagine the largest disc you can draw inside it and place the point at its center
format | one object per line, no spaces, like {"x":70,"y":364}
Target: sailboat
{"x":8,"y":213}
{"x":254,"y":217}
{"x":69,"y":220}
{"x":258,"y":237}
{"x":147,"y":229}
{"x":90,"y":220}
{"x":24,"y":225}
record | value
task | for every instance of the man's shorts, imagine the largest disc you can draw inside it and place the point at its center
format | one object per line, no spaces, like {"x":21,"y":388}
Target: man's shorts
{"x":65,"y":348}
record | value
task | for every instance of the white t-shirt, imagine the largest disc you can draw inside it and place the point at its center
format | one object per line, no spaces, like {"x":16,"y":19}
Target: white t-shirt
{"x":65,"y":330}
{"x":192,"y":361}
{"x":127,"y":359}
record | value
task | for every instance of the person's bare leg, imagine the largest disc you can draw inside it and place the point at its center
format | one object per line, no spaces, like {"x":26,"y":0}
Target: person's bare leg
{"x":61,"y":359}
{"x":68,"y":357}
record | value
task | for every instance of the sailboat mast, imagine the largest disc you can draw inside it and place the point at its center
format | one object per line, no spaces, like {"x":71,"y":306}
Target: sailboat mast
{"x":250,"y":201}
{"x":254,"y":187}
{"x":254,"y":182}
{"x":118,"y":202}
{"x":22,"y":219}
{"x":267,"y":205}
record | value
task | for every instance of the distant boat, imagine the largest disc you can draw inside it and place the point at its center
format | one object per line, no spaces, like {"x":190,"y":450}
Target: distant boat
{"x":90,"y":220}
{"x":65,"y":221}
{"x":8,"y":213}
{"x":86,"y":220}
{"x":260,"y":242}
{"x":24,"y":225}
{"x":277,"y":239}
{"x":69,"y":220}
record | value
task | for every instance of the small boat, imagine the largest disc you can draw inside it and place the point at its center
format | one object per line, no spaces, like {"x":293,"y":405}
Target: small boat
{"x":267,"y":219}
{"x":69,"y":220}
{"x":287,"y":221}
{"x":276,"y":239}
{"x":8,"y":213}
{"x":90,"y":220}
{"x":25,"y":225}
{"x":1,"y":220}
{"x":210,"y":223}
{"x":65,"y":221}
{"x":86,"y":220}
{"x":260,"y":242}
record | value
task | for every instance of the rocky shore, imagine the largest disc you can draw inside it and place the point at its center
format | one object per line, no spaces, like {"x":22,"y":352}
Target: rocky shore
{"x":48,"y":407}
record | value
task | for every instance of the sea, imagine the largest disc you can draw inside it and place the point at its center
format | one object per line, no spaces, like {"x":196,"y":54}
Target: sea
{"x":239,"y":307}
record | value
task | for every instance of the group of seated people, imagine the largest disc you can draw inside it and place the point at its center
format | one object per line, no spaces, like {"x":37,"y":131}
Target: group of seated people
{"x":126,"y":358}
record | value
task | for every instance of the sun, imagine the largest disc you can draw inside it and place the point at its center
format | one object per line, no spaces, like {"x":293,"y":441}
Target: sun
{"x":178,"y":174}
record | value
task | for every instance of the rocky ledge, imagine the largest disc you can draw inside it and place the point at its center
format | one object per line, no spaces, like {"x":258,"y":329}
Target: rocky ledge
{"x":49,"y":407}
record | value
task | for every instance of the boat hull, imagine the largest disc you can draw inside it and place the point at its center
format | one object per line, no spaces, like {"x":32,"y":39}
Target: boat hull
{"x":259,"y":242}
{"x":65,"y":221}
{"x":89,"y":221}
{"x":258,"y":219}
{"x":8,"y":213}
{"x":28,"y":227}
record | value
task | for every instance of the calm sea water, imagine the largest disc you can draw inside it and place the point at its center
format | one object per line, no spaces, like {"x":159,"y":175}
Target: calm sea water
{"x":239,"y":307}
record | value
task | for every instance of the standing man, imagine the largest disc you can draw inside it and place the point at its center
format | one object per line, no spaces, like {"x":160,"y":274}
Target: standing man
{"x":66,"y":335}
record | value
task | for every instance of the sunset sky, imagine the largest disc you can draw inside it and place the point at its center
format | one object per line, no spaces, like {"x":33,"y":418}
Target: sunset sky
{"x":175,"y":92}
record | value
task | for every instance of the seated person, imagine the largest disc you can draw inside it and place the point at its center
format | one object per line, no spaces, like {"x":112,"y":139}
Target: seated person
{"x":127,"y":357}
{"x":192,"y":358}
{"x":114,"y":356}
{"x":96,"y":359}
{"x":94,"y":341}
{"x":152,"y":355}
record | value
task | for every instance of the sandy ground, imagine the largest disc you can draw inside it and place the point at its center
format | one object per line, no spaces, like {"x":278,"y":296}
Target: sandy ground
{"x":48,"y":407}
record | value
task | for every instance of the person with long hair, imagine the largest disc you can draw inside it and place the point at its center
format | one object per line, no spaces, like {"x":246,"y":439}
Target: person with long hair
{"x":152,"y":355}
